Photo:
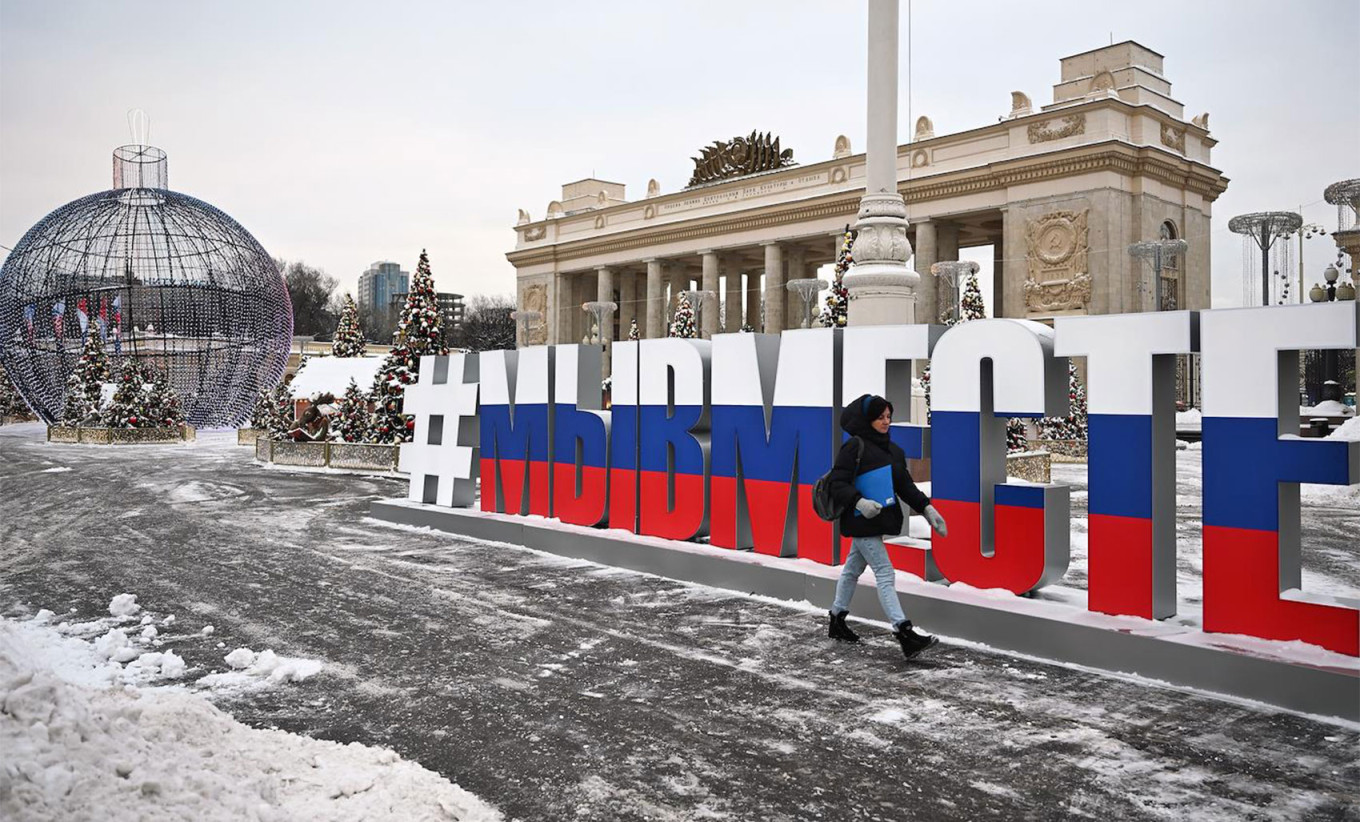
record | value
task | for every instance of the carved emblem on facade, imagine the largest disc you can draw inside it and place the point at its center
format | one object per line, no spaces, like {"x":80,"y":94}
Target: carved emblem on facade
{"x":1069,"y":126}
{"x":1173,"y":137}
{"x":533,"y":233}
{"x":536,"y":299}
{"x":1058,"y":278}
{"x":738,"y":157}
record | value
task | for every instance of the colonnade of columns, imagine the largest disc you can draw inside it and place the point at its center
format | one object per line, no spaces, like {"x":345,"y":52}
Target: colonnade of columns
{"x":748,"y":287}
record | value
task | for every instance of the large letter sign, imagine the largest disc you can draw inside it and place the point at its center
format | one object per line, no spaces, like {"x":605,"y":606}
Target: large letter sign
{"x":1000,"y":536}
{"x":1131,"y":454}
{"x":673,"y":452}
{"x":773,"y":435}
{"x":878,"y":359}
{"x":580,"y":437}
{"x":1254,"y":461}
{"x":623,"y":438}
{"x":516,"y":437}
{"x":442,"y":456}
{"x":725,"y":440}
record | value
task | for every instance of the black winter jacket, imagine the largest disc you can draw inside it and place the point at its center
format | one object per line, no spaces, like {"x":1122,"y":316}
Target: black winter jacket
{"x":879,"y":450}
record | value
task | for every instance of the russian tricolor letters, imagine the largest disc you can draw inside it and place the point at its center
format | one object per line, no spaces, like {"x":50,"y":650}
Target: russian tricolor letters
{"x":723,"y":439}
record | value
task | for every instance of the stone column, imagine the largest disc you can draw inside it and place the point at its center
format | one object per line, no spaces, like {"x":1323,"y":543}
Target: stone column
{"x":732,"y":302}
{"x":752,"y":315}
{"x":795,"y":268}
{"x":710,"y":283}
{"x":775,"y":297}
{"x":882,"y":288}
{"x":656,"y":301}
{"x":628,"y":292}
{"x":678,"y":277}
{"x":604,"y":292}
{"x":929,"y":296}
{"x":559,"y":321}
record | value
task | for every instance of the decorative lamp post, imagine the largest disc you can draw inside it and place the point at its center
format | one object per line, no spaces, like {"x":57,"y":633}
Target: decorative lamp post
{"x":882,"y":288}
{"x":526,"y":320}
{"x":807,"y":289}
{"x":1306,"y":232}
{"x":955,"y":271}
{"x":1331,"y":386}
{"x":1263,"y":228}
{"x":1159,"y":254}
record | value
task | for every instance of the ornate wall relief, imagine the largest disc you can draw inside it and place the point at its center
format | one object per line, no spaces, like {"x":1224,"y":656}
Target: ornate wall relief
{"x":533,"y":233}
{"x":535,"y":298}
{"x":1173,"y":138}
{"x":1058,"y":277}
{"x":919,"y":158}
{"x":1069,"y":126}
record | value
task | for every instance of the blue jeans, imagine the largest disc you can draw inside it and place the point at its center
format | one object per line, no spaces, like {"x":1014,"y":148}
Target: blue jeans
{"x":869,"y":551}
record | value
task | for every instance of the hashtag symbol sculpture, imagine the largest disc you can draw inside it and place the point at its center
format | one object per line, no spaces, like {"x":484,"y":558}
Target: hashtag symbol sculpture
{"x":442,"y":457}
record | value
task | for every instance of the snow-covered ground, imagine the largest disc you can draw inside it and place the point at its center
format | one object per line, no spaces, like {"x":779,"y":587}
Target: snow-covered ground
{"x":559,"y":689}
{"x":96,"y":723}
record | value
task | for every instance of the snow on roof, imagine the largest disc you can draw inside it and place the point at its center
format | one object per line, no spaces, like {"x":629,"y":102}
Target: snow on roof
{"x":321,"y":374}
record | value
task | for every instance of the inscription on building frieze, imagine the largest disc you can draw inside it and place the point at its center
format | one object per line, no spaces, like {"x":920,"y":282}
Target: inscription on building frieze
{"x":747,"y":192}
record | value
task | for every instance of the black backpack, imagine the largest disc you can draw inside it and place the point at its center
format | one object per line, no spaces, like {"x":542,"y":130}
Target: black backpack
{"x":822,"y":501}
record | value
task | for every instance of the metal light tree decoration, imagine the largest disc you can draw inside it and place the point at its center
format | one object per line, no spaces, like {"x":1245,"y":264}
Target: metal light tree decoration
{"x":1345,"y":195}
{"x":952,"y":271}
{"x":1262,"y":229}
{"x":807,"y":289}
{"x":1160,"y":255}
{"x":165,"y":279}
{"x":600,"y":312}
{"x":527,"y":319}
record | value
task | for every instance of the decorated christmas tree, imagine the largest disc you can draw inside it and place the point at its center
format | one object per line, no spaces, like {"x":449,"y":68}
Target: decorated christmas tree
{"x":682,"y":324}
{"x":1072,"y":426}
{"x":633,"y":335}
{"x":12,"y":405}
{"x":971,"y":302}
{"x":419,"y":333}
{"x":273,"y":414}
{"x":353,"y":420}
{"x":1015,"y":435}
{"x":85,"y":385}
{"x":143,"y":399}
{"x":837,"y":302}
{"x":349,"y":337}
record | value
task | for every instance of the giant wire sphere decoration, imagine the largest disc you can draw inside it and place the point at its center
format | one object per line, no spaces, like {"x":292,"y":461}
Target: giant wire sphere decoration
{"x":162,"y":277}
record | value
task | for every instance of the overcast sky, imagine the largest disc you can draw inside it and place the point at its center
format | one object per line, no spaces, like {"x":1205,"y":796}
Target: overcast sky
{"x":341,"y":133}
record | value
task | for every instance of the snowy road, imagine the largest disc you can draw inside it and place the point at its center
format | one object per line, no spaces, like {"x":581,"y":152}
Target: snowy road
{"x":557,"y":689}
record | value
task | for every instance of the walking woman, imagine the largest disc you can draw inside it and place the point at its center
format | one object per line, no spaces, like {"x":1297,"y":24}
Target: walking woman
{"x":870,"y":480}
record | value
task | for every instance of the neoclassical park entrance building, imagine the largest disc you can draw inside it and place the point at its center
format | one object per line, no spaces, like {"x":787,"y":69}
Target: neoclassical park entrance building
{"x":1059,"y":192}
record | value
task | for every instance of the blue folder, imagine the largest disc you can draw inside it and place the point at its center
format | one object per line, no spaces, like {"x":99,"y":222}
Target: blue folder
{"x":876,"y":485}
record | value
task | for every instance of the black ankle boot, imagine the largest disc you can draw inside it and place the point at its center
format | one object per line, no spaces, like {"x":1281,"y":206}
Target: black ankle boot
{"x":839,"y":630}
{"x":911,"y":641}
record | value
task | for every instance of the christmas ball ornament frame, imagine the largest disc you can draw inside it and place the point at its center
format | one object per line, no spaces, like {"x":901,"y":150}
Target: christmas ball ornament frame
{"x":163,"y":278}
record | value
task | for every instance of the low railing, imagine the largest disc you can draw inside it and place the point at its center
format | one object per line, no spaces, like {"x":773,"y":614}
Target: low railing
{"x":342,"y":456}
{"x":120,"y":436}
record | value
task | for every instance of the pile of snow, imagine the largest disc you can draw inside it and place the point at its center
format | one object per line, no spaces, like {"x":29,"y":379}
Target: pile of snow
{"x":332,"y":374}
{"x":1326,"y":408}
{"x":1190,"y":420}
{"x":252,"y":670}
{"x":1348,"y":430}
{"x":76,"y":748}
{"x":124,"y":605}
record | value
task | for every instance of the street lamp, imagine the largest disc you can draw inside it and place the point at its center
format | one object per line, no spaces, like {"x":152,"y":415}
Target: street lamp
{"x":1306,"y":232}
{"x":1331,"y":385}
